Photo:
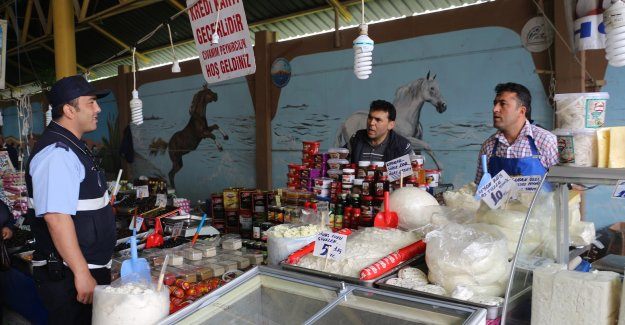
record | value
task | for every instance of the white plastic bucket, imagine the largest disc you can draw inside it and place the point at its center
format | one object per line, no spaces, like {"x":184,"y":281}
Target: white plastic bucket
{"x":580,"y":110}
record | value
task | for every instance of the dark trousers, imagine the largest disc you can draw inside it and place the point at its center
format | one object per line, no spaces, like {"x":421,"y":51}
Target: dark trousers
{"x":59,"y":297}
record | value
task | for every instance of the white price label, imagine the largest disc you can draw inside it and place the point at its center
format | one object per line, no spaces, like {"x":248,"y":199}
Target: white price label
{"x":139,"y":223}
{"x":528,"y":183}
{"x":619,"y":190}
{"x":330,"y":245}
{"x":161,"y":200}
{"x":142,"y":191}
{"x":397,"y":166}
{"x":177,"y":229}
{"x":498,"y":190}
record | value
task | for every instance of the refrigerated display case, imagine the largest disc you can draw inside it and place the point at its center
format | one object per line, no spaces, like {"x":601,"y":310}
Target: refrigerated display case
{"x":267,"y":295}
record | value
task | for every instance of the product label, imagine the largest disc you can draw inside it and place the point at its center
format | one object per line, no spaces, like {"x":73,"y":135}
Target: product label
{"x":177,"y":229}
{"x":595,"y":112}
{"x":566,"y":149}
{"x":619,"y":190}
{"x":161,"y":200}
{"x":330,"y":245}
{"x":142,"y":191}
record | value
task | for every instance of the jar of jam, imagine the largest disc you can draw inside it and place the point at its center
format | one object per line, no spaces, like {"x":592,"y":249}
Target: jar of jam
{"x":366,"y":211}
{"x":380,"y":170}
{"x":357,"y":187}
{"x":362,"y":169}
{"x":349,"y":174}
{"x":411,"y":182}
{"x":371,"y":171}
{"x":381,"y":186}
{"x":368,"y":184}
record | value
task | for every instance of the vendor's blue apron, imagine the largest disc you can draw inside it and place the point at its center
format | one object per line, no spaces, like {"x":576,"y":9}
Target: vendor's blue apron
{"x":526,"y":166}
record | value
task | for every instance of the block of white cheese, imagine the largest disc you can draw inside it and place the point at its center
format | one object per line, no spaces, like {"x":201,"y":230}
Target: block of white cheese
{"x":617,"y":149}
{"x":603,"y":147}
{"x":567,"y":297}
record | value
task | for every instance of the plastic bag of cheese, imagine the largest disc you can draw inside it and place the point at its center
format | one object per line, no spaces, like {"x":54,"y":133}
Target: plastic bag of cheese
{"x":129,"y":301}
{"x":463,"y":198}
{"x":474,"y":256}
{"x":282,"y":240}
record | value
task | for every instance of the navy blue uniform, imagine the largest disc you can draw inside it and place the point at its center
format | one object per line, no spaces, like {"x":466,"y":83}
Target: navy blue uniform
{"x":63,"y":177}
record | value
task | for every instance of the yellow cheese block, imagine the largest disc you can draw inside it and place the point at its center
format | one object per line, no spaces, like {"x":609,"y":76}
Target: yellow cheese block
{"x":603,"y":147}
{"x":617,"y":147}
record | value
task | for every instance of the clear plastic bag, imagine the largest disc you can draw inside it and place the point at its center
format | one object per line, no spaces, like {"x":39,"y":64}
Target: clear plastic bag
{"x":474,"y":256}
{"x":129,"y":300}
{"x":282,"y":240}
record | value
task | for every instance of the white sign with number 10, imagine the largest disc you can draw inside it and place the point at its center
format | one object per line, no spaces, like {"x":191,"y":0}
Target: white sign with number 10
{"x":499,"y":188}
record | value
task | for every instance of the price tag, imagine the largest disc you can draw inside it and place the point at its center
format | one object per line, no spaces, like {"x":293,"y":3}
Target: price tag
{"x":177,"y":229}
{"x":619,"y":190}
{"x":139,"y":223}
{"x":142,"y":191}
{"x":397,"y":166}
{"x":330,"y":245}
{"x":161,"y":200}
{"x":498,"y":190}
{"x":528,"y":183}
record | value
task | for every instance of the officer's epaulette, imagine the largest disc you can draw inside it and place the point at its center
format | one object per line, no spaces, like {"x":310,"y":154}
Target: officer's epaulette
{"x":61,"y":145}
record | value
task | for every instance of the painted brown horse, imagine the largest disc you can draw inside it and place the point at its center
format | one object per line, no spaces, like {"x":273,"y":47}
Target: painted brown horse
{"x":188,"y":139}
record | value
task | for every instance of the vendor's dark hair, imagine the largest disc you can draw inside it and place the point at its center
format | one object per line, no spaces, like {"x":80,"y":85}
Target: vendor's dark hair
{"x":382,"y":105}
{"x":522,"y":93}
{"x":57,"y":112}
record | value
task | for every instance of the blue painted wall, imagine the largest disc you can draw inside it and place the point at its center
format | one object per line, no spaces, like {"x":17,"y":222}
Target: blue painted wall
{"x":206,"y":170}
{"x":602,"y":209}
{"x":323,"y":92}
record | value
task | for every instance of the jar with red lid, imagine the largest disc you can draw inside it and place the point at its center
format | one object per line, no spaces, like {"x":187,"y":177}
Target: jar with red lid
{"x":371,"y":171}
{"x":411,"y":182}
{"x":363,"y":165}
{"x":368,"y":184}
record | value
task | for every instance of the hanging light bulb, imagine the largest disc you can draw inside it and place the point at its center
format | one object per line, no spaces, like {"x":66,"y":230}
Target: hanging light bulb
{"x":363,"y":54}
{"x":363,"y":49}
{"x":614,"y":21}
{"x":136,"y":105}
{"x":48,"y":117}
{"x":215,"y":36}
{"x":136,"y":108}
{"x":175,"y":68}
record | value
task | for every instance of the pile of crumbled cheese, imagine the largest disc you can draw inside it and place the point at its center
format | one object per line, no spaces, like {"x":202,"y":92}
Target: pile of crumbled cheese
{"x":289,"y":231}
{"x":129,"y":304}
{"x":363,"y":248}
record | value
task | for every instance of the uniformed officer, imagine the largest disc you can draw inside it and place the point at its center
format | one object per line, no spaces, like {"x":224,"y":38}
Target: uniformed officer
{"x":73,"y":224}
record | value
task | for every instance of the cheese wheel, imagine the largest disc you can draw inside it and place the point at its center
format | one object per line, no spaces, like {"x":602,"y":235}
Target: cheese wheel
{"x":603,"y":147}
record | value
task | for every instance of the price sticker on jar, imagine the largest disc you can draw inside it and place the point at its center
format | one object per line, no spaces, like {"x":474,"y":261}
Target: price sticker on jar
{"x":330,"y":245}
{"x":142,"y":191}
{"x":498,"y":191}
{"x":177,"y":229}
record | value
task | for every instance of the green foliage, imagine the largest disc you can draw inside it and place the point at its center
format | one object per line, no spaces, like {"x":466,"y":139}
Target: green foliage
{"x":109,"y":153}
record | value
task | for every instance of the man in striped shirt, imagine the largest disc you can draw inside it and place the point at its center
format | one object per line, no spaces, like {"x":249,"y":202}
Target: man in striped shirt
{"x":518,"y":147}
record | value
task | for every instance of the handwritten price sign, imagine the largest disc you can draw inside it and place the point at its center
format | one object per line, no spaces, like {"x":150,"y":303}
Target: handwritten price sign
{"x":397,"y":166}
{"x":501,"y":186}
{"x":528,"y":183}
{"x":330,"y":245}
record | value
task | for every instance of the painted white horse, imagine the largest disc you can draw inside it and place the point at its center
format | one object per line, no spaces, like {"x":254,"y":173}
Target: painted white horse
{"x":409,"y":100}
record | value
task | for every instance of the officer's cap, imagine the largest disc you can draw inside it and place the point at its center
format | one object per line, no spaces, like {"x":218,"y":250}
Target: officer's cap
{"x":72,"y":87}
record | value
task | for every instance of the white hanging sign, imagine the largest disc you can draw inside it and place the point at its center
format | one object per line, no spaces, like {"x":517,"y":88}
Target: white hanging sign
{"x":231,"y":55}
{"x":397,"y":166}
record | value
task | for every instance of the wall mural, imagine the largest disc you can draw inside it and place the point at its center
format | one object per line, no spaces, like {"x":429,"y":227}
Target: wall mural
{"x":188,"y":139}
{"x":323,"y":97}
{"x":180,"y":114}
{"x":408,"y":102}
